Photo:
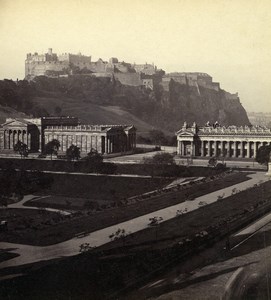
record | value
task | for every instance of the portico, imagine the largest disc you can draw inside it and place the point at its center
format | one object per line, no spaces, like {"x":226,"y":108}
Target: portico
{"x":13,"y":131}
{"x":231,"y":141}
{"x":36,"y":133}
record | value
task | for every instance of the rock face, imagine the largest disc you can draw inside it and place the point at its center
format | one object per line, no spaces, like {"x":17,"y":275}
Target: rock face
{"x":202,"y":104}
{"x":163,"y":107}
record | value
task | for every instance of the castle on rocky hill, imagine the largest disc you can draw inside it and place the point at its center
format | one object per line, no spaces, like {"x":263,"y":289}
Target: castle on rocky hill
{"x":141,"y":75}
{"x":52,"y":65}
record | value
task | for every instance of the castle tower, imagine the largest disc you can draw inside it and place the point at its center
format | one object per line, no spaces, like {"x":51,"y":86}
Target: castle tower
{"x":50,"y":51}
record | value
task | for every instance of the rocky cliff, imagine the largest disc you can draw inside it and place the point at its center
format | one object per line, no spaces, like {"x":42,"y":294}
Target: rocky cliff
{"x":203,"y":104}
{"x":103,"y":100}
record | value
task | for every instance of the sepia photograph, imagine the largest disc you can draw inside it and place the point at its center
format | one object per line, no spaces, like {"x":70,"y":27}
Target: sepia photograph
{"x":135,"y":150}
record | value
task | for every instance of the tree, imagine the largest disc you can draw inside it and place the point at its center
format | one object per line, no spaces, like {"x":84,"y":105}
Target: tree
{"x":85,"y":247}
{"x":157,"y":137}
{"x":73,"y":152}
{"x":52,"y":147}
{"x":21,"y":148}
{"x":160,"y":159}
{"x":263,"y":155}
{"x":94,"y":160}
{"x":120,"y":234}
{"x":94,"y":156}
{"x":212,"y":161}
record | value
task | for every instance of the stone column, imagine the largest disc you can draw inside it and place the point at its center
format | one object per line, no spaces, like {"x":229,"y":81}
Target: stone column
{"x":8,"y":139}
{"x":222,"y":148}
{"x":105,"y":145}
{"x":5,"y":140}
{"x":23,"y":136}
{"x":29,"y":141}
{"x":248,"y":150}
{"x":183,"y":148}
{"x":15,"y":137}
{"x":11,"y":139}
{"x":209,"y":148}
{"x":255,"y":149}
{"x":202,"y":149}
{"x":242,"y":149}
{"x":192,"y":149}
{"x":111,"y":144}
{"x":180,"y":147}
{"x":229,"y":149}
{"x":215,"y":148}
{"x":234,"y":149}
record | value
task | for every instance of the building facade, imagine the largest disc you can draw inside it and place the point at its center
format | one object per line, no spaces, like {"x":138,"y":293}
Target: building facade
{"x":36,"y":133}
{"x":216,"y":140}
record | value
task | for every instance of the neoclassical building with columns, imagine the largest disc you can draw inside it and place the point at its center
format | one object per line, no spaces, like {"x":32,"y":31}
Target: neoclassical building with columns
{"x":216,"y":140}
{"x":37,"y":132}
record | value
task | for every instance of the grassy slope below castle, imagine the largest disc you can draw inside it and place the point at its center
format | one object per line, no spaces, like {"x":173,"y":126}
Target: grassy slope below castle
{"x":101,"y":100}
{"x":8,"y":112}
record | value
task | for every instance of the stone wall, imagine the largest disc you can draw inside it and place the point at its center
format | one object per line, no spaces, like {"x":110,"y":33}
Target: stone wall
{"x":132,"y":79}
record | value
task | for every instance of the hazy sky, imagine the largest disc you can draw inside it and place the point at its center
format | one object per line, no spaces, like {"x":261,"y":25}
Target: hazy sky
{"x":230,"y":40}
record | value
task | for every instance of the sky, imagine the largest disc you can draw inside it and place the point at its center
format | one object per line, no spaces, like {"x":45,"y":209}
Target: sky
{"x":228,"y":39}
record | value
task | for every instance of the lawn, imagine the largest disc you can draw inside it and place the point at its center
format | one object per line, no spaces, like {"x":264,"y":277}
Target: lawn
{"x":102,"y":187}
{"x":186,"y":225}
{"x":96,"y":275}
{"x":92,"y":220}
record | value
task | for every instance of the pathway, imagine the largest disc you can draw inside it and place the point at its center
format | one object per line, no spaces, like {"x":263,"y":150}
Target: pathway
{"x":223,"y":279}
{"x":26,"y":198}
{"x":30,"y":254}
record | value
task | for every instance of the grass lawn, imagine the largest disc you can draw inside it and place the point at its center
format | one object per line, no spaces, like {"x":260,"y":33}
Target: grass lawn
{"x":93,"y":276}
{"x":61,"y":230}
{"x":174,"y":230}
{"x":102,"y":187}
{"x":27,"y":222}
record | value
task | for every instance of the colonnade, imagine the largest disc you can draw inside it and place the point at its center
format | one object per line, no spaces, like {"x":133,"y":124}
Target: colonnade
{"x":229,"y":148}
{"x":11,"y":138}
{"x":104,"y":144}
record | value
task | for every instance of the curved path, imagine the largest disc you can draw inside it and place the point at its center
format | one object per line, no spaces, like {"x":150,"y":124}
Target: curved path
{"x":31,"y":254}
{"x":26,"y":198}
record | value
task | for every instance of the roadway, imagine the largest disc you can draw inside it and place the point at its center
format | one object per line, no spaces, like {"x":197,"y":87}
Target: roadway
{"x":138,"y":158}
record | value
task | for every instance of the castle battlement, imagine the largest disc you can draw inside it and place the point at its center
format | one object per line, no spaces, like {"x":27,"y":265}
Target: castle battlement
{"x":52,"y":65}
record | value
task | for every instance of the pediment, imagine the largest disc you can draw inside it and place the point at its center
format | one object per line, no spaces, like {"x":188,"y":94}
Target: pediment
{"x":130,"y":128}
{"x":15,"y":123}
{"x":185,"y":133}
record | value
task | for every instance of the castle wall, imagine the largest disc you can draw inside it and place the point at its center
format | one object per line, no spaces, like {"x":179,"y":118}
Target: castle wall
{"x":230,"y":96}
{"x":40,"y":68}
{"x":132,"y":79}
{"x":98,"y":66}
{"x":147,"y":69}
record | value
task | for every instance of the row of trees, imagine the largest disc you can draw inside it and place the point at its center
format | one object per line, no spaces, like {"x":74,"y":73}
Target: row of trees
{"x":73,"y":153}
{"x":51,"y":148}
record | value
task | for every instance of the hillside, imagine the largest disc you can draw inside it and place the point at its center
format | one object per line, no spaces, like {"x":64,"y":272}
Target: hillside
{"x":90,"y":113}
{"x":101,"y":100}
{"x":8,"y":112}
